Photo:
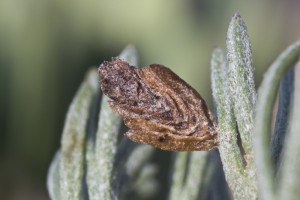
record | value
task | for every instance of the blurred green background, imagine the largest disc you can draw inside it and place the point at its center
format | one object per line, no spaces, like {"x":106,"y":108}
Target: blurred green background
{"x":47,"y":46}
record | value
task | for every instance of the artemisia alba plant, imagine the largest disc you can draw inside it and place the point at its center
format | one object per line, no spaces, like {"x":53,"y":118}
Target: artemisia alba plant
{"x":162,"y":110}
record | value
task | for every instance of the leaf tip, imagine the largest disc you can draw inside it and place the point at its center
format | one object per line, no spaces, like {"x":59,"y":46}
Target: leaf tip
{"x":236,"y":15}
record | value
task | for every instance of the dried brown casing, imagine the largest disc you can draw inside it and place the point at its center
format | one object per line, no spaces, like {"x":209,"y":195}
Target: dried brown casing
{"x":158,"y":106}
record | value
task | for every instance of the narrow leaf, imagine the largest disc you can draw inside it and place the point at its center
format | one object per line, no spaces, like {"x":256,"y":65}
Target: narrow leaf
{"x":262,"y":132}
{"x":178,"y":175}
{"x":286,"y":91}
{"x":53,"y":178}
{"x":229,"y":150}
{"x":101,"y":157}
{"x":139,"y":173}
{"x":241,"y":79}
{"x":130,"y":159}
{"x":195,"y":175}
{"x":290,"y":176}
{"x":73,"y":139}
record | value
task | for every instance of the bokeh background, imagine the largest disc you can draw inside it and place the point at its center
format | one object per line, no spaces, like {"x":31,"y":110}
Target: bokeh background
{"x":47,"y":46}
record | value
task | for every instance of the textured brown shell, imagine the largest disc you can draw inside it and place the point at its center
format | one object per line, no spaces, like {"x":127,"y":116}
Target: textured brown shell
{"x":159,"y":107}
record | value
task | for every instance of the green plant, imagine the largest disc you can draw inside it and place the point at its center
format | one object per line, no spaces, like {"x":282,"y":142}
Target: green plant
{"x":98,"y":164}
